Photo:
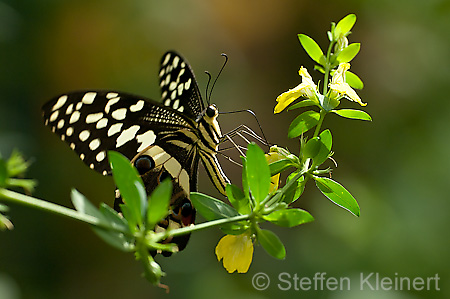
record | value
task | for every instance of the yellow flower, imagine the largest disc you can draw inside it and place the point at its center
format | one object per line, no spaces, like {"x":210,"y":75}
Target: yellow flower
{"x":305,"y":89}
{"x":341,"y":87}
{"x":273,"y":156}
{"x":236,"y":251}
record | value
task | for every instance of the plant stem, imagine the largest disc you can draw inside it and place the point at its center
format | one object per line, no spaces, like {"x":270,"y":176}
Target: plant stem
{"x":319,"y":124}
{"x":197,"y":227}
{"x":56,"y":209}
{"x":327,"y":69}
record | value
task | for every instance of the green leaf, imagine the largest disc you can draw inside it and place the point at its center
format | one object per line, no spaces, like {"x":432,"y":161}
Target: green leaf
{"x":348,"y":53}
{"x":84,"y":206}
{"x":113,"y":217}
{"x":237,"y":199}
{"x":158,"y":203}
{"x":312,"y":48}
{"x":16,"y":164}
{"x":130,"y":186}
{"x":353,"y":114}
{"x":296,"y":190}
{"x":326,"y":138}
{"x":353,"y":80}
{"x":245,"y":186}
{"x":311,"y":148}
{"x":324,"y":151}
{"x":303,"y":123}
{"x":131,"y":220}
{"x":258,"y":172}
{"x":211,"y":208}
{"x":3,"y":173}
{"x":271,"y":243}
{"x":337,"y":194}
{"x":279,"y":166}
{"x":301,"y":104}
{"x":113,"y":238}
{"x":344,"y":26}
{"x":289,"y":217}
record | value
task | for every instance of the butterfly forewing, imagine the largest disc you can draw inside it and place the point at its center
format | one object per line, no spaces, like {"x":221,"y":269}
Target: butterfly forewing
{"x":179,"y":89}
{"x":96,"y":121}
{"x":172,"y":136}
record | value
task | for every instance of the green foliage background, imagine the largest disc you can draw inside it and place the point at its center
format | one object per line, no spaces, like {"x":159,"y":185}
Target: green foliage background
{"x":396,"y":166}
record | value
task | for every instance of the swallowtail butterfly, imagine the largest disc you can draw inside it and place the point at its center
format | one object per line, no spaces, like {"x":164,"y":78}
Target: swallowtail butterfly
{"x":162,"y":140}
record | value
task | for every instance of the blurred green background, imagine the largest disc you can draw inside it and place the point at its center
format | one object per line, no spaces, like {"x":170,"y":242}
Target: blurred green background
{"x":397,"y":167}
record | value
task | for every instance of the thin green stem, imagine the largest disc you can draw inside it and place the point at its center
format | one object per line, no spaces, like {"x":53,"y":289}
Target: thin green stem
{"x":29,"y":201}
{"x":204,"y":225}
{"x":327,"y":68}
{"x":319,"y":124}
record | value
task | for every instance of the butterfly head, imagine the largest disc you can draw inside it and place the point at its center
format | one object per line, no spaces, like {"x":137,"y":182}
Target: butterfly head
{"x":210,"y":117}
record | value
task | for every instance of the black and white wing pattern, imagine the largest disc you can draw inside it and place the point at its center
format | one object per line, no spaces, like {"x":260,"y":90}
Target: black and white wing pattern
{"x":165,"y":139}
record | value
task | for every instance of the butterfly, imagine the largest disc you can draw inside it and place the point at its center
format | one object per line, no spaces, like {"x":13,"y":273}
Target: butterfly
{"x":162,"y":140}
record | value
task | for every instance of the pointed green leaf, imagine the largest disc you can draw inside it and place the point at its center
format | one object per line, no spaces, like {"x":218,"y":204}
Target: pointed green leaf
{"x":113,"y":217}
{"x":326,"y":138}
{"x":353,"y":114}
{"x":113,"y":238}
{"x":311,"y":148}
{"x":303,"y":123}
{"x":345,"y":25}
{"x":348,"y":53}
{"x":16,"y":164}
{"x":279,"y":166}
{"x":324,"y":151}
{"x":289,"y":217}
{"x":353,"y":80}
{"x":83,"y":205}
{"x":130,"y":217}
{"x":130,"y":185}
{"x":337,"y":194}
{"x":245,"y":187}
{"x":296,"y":189}
{"x":312,"y":48}
{"x":237,"y":199}
{"x":211,"y":208}
{"x":304,"y":103}
{"x":258,"y":172}
{"x":158,"y":203}
{"x":271,"y":243}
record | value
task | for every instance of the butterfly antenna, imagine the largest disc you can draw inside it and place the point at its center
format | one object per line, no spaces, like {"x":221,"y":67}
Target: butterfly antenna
{"x":218,"y":75}
{"x":207,"y":87}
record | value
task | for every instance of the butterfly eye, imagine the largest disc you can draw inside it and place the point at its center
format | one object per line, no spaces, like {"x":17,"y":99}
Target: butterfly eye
{"x":144,"y":164}
{"x":211,"y":111}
